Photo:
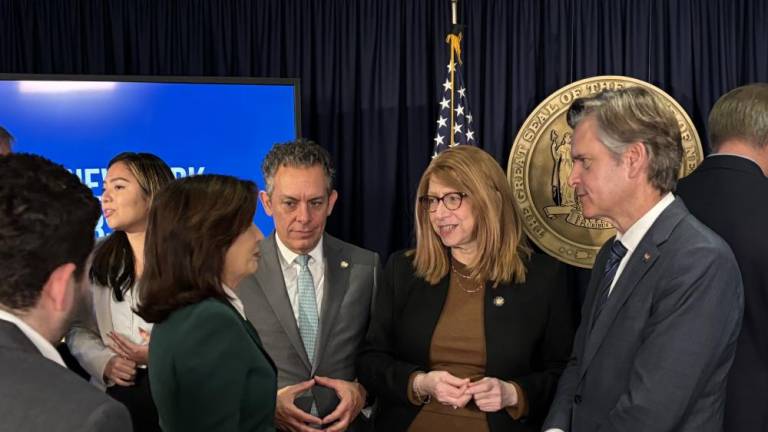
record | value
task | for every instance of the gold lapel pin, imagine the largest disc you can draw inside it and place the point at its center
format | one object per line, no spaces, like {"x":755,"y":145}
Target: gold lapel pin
{"x":498,"y":301}
{"x":646,"y":257}
{"x":344,"y":264}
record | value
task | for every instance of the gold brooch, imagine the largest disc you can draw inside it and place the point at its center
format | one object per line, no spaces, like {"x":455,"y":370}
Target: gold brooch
{"x":498,"y":301}
{"x":646,"y":257}
{"x":344,"y":264}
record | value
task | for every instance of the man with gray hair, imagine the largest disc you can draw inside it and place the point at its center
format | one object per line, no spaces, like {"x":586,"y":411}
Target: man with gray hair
{"x":728,"y":193}
{"x":664,"y":303}
{"x":6,"y":142}
{"x":310,"y":301}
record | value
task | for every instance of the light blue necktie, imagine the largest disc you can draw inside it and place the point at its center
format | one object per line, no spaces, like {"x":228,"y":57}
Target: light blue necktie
{"x":308,"y":319}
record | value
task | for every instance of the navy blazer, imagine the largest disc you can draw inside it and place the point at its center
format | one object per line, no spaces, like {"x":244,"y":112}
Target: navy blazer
{"x":528,"y":339}
{"x":657,"y":356}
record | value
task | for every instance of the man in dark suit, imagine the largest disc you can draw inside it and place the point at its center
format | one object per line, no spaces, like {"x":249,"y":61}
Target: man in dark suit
{"x":728,"y":192}
{"x":310,"y":301}
{"x":46,"y":234}
{"x":664,"y":304}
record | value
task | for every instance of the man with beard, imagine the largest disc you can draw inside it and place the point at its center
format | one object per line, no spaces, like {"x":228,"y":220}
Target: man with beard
{"x":46,"y":234}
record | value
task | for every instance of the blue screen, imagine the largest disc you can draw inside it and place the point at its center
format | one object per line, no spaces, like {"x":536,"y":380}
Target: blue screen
{"x":196,"y":128}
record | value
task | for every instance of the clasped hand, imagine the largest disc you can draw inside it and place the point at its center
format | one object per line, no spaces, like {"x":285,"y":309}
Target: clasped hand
{"x":489,"y":394}
{"x":121,"y":368}
{"x":289,"y":417}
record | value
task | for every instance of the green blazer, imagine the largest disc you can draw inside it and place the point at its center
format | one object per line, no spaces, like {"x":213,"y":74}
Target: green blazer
{"x":209,"y":372}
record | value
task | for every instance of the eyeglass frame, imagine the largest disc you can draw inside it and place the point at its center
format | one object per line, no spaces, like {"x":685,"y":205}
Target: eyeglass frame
{"x":424,"y":200}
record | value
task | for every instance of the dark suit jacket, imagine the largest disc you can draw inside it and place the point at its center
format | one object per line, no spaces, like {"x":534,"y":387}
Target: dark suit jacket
{"x":351,"y":276}
{"x":209,"y":372}
{"x":657,"y":357}
{"x":528,"y":339}
{"x":730,"y":195}
{"x":38,"y":395}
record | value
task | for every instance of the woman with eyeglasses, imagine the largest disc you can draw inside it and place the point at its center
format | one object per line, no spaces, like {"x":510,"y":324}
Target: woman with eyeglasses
{"x":470,"y":331}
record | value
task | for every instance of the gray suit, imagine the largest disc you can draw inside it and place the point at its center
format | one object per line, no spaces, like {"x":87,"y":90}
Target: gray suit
{"x":351,"y":278}
{"x":657,"y":356}
{"x":38,"y":395}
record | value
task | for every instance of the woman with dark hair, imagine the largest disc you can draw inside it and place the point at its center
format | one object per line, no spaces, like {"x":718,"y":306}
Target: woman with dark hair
{"x":209,"y":370}
{"x":470,"y":330}
{"x":111,"y":343}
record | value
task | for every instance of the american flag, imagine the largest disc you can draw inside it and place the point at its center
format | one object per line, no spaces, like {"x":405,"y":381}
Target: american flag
{"x":455,"y":119}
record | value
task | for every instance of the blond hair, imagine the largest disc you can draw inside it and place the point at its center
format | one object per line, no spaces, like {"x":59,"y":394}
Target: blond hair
{"x":498,"y":231}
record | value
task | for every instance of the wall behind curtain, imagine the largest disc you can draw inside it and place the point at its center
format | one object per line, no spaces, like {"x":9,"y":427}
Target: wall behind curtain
{"x":371,"y":69}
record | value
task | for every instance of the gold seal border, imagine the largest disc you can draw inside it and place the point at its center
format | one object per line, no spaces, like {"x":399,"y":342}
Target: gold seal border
{"x":549,"y":110}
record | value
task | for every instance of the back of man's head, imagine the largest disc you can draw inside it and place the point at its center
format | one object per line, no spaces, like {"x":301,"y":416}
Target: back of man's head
{"x":47,"y":218}
{"x":6,"y":141}
{"x":740,"y":114}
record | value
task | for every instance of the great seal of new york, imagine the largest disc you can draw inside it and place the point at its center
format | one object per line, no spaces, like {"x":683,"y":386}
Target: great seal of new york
{"x":540,"y":163}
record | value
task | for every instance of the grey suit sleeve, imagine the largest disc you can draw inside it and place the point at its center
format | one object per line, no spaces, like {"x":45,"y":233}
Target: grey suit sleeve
{"x":110,"y":416}
{"x":693,"y":325}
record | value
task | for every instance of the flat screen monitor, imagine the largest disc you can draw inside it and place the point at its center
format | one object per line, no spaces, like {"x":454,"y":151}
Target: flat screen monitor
{"x":196,"y":125}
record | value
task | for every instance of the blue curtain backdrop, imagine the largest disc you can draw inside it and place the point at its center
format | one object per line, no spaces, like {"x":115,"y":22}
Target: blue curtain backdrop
{"x":371,"y":69}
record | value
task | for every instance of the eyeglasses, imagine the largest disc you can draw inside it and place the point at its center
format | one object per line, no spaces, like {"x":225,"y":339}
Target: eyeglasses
{"x":451,"y":201}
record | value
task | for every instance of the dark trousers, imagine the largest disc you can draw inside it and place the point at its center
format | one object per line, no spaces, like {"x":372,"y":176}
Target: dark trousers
{"x":138,"y":399}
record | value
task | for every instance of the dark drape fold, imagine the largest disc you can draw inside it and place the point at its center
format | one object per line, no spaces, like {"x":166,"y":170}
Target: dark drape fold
{"x":371,"y":70}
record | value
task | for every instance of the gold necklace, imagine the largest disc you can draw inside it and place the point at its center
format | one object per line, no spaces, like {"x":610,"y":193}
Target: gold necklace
{"x":461,"y":285}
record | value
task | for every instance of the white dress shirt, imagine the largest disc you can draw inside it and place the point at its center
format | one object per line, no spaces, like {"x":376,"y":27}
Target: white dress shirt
{"x":291,"y":273}
{"x":631,"y":238}
{"x":46,"y":348}
{"x":234,"y":300}
{"x":125,"y":321}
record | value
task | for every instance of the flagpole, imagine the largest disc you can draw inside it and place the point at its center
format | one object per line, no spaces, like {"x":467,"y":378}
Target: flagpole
{"x":454,"y":21}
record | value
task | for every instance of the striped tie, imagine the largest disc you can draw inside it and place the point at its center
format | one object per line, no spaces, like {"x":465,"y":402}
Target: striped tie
{"x":308,"y":319}
{"x":617,"y":252}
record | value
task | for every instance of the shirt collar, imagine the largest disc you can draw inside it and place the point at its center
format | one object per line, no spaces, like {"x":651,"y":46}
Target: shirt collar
{"x":46,"y":348}
{"x":234,"y":300}
{"x":288,"y":256}
{"x":632,"y":237}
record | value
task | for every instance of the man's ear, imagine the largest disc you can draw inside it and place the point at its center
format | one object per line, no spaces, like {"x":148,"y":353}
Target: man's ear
{"x":637,"y":159}
{"x":266,"y":202}
{"x":56,"y":289}
{"x":332,"y":200}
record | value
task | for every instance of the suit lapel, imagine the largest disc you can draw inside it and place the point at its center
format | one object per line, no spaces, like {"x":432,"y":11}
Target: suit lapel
{"x":271,"y":281}
{"x":632,"y":274}
{"x":336,"y":285}
{"x":642,"y":259}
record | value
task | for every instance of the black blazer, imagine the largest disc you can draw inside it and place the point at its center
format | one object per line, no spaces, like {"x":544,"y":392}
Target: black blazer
{"x":528,"y":339}
{"x":730,"y":195}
